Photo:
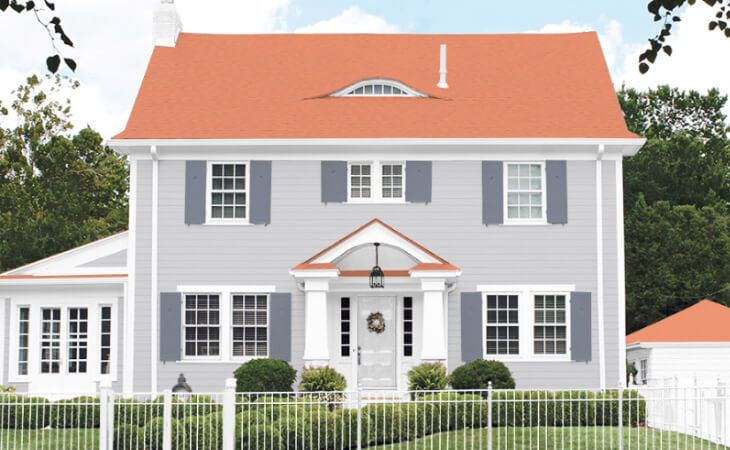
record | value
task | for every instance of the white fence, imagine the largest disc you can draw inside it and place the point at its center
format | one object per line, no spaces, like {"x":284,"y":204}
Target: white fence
{"x":645,"y":418}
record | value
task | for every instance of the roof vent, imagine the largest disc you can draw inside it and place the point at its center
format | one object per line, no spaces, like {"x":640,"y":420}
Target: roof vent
{"x":167,"y":23}
{"x":442,"y":70}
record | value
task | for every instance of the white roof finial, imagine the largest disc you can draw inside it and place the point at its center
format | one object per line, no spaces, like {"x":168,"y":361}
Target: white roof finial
{"x":167,"y":23}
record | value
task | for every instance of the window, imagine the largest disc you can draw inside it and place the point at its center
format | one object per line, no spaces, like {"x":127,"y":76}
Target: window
{"x":345,"y":327}
{"x":550,"y":325}
{"x":503,"y":332}
{"x":228,"y":190}
{"x":376,"y":182}
{"x":378,"y":88}
{"x":643,"y":371}
{"x":78,"y":335}
{"x":202,"y":325}
{"x":407,"y":326}
{"x":525,"y":192}
{"x":105,"y":344}
{"x":50,"y":340}
{"x":23,"y":335}
{"x":250,"y":325}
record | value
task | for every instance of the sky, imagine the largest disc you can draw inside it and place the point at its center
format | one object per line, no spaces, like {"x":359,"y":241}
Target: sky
{"x":113,"y":39}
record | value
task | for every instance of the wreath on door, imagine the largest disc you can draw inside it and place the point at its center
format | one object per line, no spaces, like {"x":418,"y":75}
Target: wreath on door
{"x":376,"y":323}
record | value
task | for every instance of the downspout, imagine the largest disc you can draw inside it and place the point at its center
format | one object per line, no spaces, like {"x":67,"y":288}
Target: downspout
{"x":599,"y":266}
{"x":621,"y":272}
{"x":154,"y":308}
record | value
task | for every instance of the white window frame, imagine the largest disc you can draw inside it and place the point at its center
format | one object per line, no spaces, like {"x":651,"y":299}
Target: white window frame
{"x":526,"y":319}
{"x":28,"y":345}
{"x":567,"y":323}
{"x":221,"y":310}
{"x":113,"y":341}
{"x":226,"y":293}
{"x":349,"y":90}
{"x":376,"y":182}
{"x":644,"y":370}
{"x":505,"y":184}
{"x":209,"y":219}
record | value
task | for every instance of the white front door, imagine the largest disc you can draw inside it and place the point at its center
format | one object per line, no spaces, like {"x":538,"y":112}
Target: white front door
{"x":377,"y":328}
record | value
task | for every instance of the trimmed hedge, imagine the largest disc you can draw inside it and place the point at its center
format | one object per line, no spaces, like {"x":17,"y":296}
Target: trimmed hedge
{"x":20,"y":412}
{"x":265,"y":375}
{"x":203,"y":431}
{"x":478,"y":373}
{"x":78,"y":412}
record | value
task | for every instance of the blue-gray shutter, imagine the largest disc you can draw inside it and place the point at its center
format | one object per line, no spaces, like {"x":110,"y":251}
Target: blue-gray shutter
{"x":492,"y":193}
{"x":170,"y":326}
{"x":472,"y":345}
{"x":557,"y":192}
{"x":260,"y":196}
{"x":580,"y":326}
{"x":195,"y":192}
{"x":418,"y":181}
{"x":280,"y":326}
{"x":334,"y":181}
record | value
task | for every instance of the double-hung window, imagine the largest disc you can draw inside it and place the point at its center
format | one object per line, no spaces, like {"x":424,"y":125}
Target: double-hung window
{"x":250,"y":325}
{"x":376,"y":182}
{"x":23,"y":342}
{"x":643,"y":371}
{"x":202,"y":325}
{"x":503,"y":330}
{"x":228,"y":186}
{"x":525,"y":192}
{"x":105,"y":344}
{"x":550,"y":334}
{"x":50,"y":340}
{"x":78,"y":339}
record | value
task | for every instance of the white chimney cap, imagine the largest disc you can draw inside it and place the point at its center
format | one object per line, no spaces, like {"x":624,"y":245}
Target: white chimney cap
{"x":167,"y":23}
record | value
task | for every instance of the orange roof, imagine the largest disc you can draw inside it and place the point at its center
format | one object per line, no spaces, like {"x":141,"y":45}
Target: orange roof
{"x":276,"y":86}
{"x":705,"y":321}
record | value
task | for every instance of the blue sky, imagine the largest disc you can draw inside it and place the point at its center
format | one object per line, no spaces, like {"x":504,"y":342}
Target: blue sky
{"x":114,"y":38}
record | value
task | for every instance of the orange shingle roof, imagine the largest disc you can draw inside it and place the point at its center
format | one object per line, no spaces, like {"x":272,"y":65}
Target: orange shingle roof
{"x":276,"y":86}
{"x":705,"y":321}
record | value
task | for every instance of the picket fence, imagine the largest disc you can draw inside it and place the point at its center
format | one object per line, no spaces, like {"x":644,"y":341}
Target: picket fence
{"x":666,"y":417}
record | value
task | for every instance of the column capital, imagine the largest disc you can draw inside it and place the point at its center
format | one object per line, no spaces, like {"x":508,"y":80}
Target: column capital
{"x":433,"y":284}
{"x":316,"y":285}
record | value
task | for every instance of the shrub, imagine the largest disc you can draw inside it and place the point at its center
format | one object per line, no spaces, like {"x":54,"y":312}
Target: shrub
{"x":322,"y":379}
{"x":152,"y":434}
{"x":203,"y":431}
{"x":20,"y":412}
{"x":259,"y":436}
{"x":452,"y":411}
{"x":127,"y":437}
{"x":194,"y":405}
{"x":427,"y":377}
{"x":265,"y":375}
{"x":478,"y":373}
{"x":392,"y":423}
{"x":78,"y":412}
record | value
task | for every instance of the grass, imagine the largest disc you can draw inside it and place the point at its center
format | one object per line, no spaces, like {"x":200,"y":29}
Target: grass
{"x":556,"y":438}
{"x":70,"y":438}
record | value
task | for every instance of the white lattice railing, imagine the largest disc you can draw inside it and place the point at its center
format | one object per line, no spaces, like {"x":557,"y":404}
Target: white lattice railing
{"x":667,"y":417}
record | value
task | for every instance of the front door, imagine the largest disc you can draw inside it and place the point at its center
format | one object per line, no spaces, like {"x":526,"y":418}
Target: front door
{"x":376,"y":341}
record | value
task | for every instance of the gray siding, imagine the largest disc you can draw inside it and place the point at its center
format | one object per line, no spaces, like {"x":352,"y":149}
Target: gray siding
{"x":451,"y":225}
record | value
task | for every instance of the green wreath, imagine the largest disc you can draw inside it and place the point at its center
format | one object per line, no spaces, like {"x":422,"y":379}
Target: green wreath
{"x":376,"y":323}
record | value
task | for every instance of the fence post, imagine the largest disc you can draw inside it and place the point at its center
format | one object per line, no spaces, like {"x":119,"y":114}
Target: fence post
{"x":621,"y":414}
{"x":229,"y":415}
{"x":490,"y":393}
{"x":167,"y":420}
{"x":359,"y":420}
{"x":106,"y":426}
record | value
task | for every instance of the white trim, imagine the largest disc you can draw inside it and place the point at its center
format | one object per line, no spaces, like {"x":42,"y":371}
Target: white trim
{"x":543,"y":194}
{"x":209,"y":220}
{"x":531,"y":287}
{"x":236,"y":289}
{"x":621,"y":273}
{"x":128,"y":333}
{"x":376,"y":183}
{"x":345,"y":92}
{"x":599,"y":269}
{"x":61,"y":281}
{"x":640,"y":345}
{"x":154,"y":303}
{"x":435,"y":273}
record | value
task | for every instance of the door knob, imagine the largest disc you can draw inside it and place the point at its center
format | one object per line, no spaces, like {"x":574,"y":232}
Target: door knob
{"x":359,"y":355}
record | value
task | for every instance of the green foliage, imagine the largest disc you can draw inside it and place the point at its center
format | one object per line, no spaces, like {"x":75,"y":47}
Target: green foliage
{"x":428,"y":377}
{"x":322,"y":379}
{"x":58,"y":190}
{"x":78,"y":412}
{"x":478,"y":373}
{"x":152,"y":433}
{"x":203,"y":431}
{"x":127,"y":437}
{"x":259,"y":436}
{"x":631,"y":371}
{"x":20,"y":412}
{"x":265,"y":375}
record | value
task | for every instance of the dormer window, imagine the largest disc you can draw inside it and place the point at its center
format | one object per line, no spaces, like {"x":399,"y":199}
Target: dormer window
{"x":378,"y":88}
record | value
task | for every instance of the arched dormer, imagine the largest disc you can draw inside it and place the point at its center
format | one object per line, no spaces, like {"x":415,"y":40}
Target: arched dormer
{"x":378,"y":87}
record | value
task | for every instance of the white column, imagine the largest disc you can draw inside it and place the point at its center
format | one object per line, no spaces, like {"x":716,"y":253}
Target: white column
{"x":316,"y":343}
{"x":434,"y":320}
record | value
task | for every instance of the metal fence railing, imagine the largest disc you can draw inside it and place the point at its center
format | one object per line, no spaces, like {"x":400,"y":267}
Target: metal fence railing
{"x":643,"y":418}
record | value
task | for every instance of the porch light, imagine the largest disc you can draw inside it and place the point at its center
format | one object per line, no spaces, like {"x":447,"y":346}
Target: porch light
{"x":377,"y":277}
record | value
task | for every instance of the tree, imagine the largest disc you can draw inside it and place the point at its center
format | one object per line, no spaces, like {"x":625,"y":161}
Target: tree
{"x":669,"y":12}
{"x":58,"y":189}
{"x":52,"y":26}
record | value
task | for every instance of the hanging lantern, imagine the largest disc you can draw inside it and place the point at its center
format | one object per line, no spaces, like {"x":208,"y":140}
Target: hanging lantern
{"x":377,"y":277}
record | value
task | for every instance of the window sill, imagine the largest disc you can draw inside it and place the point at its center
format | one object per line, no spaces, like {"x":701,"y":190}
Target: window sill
{"x":376,"y":202}
{"x":526,"y":223}
{"x":219,"y":361}
{"x":526,"y":359}
{"x":228,"y":223}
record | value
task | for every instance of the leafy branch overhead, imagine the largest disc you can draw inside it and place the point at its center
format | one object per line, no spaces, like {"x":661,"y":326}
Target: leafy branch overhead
{"x":53,"y":27}
{"x":668,"y":12}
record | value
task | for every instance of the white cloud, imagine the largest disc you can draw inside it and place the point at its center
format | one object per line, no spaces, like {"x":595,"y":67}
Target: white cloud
{"x":351,"y":20}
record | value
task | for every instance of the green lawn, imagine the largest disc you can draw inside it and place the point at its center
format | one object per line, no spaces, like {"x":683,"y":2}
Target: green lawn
{"x":555,"y":438}
{"x":70,"y":439}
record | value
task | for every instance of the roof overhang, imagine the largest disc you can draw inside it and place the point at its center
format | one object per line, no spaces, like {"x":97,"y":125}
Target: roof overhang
{"x":649,"y":345}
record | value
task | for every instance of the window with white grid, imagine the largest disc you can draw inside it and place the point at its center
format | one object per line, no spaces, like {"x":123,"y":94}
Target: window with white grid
{"x":202,"y":325}
{"x":503,"y":329}
{"x":392,"y":180}
{"x":643,"y":371}
{"x":525,"y":192}
{"x":378,"y":88}
{"x":360,"y":181}
{"x":250,"y":325}
{"x":50,"y":340}
{"x":550,"y":325}
{"x":228,"y":192}
{"x":23,"y":337}
{"x":105,"y":347}
{"x":78,"y":339}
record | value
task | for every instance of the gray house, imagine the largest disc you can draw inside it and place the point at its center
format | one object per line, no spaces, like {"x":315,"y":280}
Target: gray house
{"x":270,"y":174}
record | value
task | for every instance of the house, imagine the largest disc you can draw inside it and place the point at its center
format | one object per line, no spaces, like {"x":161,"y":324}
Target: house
{"x":693,"y":344}
{"x":481,"y":174}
